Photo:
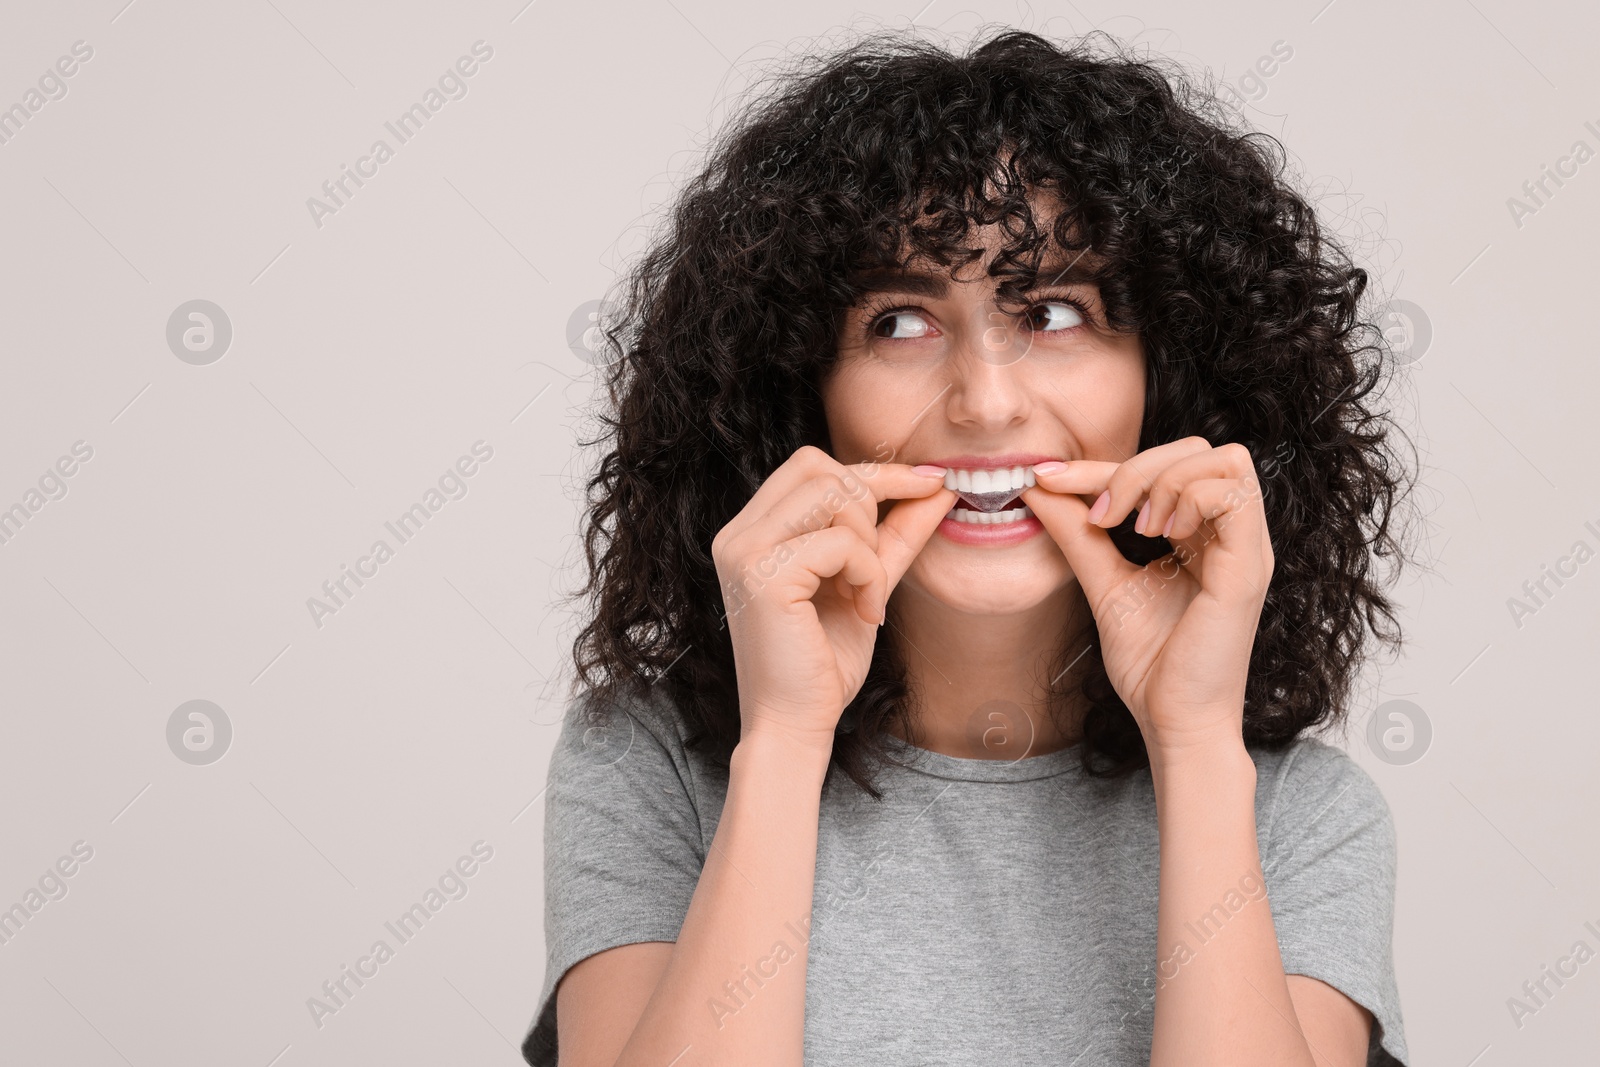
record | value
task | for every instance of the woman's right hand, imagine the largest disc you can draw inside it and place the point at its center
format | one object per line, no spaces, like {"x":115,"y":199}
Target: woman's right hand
{"x":806,"y":571}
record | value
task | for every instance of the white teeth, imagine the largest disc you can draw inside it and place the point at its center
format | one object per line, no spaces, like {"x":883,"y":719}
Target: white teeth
{"x":989,"y":482}
{"x":987,"y":518}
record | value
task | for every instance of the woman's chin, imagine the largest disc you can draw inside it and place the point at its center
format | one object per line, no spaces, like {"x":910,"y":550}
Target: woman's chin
{"x":988,"y":581}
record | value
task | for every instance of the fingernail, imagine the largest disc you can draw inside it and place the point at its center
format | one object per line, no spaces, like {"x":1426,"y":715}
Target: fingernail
{"x":1144,"y":513}
{"x":1101,"y":504}
{"x":928,"y":470}
{"x":1049,"y":467}
{"x":1167,"y":529}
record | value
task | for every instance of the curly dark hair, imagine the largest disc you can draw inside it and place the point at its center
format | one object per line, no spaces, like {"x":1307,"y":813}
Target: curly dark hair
{"x":1247,"y":310}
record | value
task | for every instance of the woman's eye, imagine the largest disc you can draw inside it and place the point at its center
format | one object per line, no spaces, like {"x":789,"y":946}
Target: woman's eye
{"x":886,"y":326}
{"x":1053,"y":316}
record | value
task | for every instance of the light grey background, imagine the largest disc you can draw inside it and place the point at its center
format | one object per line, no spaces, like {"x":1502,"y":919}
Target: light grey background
{"x":431,"y":312}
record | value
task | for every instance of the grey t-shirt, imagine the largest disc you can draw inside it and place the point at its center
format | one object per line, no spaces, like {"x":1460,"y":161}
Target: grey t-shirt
{"x":984,"y":911}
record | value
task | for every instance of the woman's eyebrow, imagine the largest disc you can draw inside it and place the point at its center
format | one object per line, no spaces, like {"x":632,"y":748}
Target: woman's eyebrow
{"x":916,"y":283}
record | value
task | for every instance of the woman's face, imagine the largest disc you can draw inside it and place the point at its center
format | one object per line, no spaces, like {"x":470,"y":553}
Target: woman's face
{"x":932,"y":370}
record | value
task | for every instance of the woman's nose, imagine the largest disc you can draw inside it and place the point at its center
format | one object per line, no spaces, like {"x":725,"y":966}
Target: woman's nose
{"x":988,"y":388}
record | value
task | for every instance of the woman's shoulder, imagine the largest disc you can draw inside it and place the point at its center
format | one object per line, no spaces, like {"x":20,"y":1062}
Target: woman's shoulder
{"x":636,"y":735}
{"x":1310,"y":787}
{"x":593,"y":713}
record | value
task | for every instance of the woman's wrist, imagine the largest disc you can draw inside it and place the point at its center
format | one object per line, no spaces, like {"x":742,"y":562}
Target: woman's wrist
{"x":1202,"y":759}
{"x":767,"y":750}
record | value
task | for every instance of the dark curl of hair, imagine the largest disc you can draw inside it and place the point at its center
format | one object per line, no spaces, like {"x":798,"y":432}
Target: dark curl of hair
{"x":1247,"y":311}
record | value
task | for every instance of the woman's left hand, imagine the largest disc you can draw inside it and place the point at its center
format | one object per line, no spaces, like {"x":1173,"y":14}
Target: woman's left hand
{"x":1175,"y":634}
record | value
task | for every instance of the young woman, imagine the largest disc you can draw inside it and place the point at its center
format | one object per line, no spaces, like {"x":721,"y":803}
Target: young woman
{"x":989,"y":507}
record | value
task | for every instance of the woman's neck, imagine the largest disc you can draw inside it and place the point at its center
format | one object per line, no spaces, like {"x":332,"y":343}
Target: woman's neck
{"x":981,"y":682}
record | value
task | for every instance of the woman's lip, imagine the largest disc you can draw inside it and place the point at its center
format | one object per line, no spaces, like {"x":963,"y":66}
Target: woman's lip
{"x":1006,"y":459}
{"x":996,"y":533}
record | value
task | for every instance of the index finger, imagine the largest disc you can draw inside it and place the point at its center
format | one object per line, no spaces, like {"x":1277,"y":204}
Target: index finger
{"x":1079,"y":477}
{"x":1093,"y":557}
{"x":895,"y":481}
{"x":907,"y":528}
{"x":809,"y":461}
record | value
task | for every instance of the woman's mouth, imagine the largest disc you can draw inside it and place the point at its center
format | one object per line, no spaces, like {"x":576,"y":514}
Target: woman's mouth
{"x":989,"y":490}
{"x":990,"y":511}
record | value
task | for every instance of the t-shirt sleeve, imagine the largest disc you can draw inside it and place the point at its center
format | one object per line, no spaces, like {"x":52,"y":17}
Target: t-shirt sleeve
{"x":1330,"y":864}
{"x":622,"y":845}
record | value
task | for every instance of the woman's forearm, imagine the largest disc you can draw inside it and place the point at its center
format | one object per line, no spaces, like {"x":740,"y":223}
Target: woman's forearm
{"x":1221,"y":994}
{"x":734,"y":989}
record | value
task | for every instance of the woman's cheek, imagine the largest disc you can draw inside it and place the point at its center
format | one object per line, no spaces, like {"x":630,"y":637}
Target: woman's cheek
{"x":869,"y":415}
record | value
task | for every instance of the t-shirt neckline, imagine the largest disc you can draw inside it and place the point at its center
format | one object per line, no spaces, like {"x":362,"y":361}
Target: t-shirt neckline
{"x":968,"y":769}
